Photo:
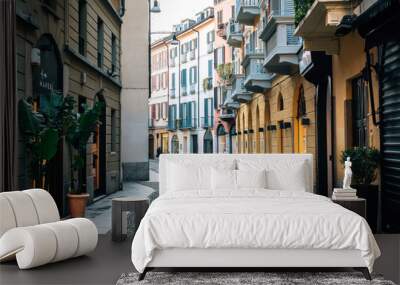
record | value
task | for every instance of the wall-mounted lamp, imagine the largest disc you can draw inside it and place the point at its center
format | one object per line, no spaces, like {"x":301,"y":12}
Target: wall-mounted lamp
{"x":271,"y":128}
{"x":305,"y":121}
{"x":345,"y":26}
{"x":260,"y":130}
{"x":287,"y":125}
{"x":245,"y":132}
{"x":251,"y":131}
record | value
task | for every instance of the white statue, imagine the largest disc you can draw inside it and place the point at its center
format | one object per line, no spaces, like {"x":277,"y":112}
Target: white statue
{"x":347,"y":174}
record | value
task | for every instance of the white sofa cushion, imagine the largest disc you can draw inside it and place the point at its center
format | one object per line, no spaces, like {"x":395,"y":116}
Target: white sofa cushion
{"x":251,"y":178}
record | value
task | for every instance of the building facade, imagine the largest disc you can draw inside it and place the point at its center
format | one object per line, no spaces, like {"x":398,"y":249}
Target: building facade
{"x":158,"y":102}
{"x":135,"y":91}
{"x":364,"y":45}
{"x":73,"y":47}
{"x":277,"y":104}
{"x":183,"y":81}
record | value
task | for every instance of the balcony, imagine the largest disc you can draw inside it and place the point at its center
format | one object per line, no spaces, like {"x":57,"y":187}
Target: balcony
{"x":188,"y":123}
{"x":281,"y":12}
{"x":184,"y":58}
{"x":210,"y":47}
{"x":281,"y":50}
{"x":221,"y":31}
{"x":172,"y":125}
{"x":172,"y":93}
{"x":193,"y":88}
{"x":172,"y":62}
{"x":247,"y":11}
{"x":319,"y":25}
{"x":207,"y":122}
{"x":256,"y":78}
{"x":239,"y":92}
{"x":227,"y":115}
{"x":229,"y":103}
{"x":192,"y":55}
{"x":207,"y":84}
{"x":184,"y":90}
{"x":234,"y":34}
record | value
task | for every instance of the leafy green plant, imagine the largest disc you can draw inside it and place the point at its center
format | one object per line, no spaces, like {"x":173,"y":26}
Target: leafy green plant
{"x":225,"y":73}
{"x":365,"y":161}
{"x":78,"y":131}
{"x":300,"y":9}
{"x":41,"y":131}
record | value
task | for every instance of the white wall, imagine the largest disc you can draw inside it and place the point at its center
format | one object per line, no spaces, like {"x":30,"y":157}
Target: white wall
{"x":135,"y":92}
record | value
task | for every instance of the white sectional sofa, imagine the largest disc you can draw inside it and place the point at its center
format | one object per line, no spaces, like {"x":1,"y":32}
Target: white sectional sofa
{"x":31,"y":231}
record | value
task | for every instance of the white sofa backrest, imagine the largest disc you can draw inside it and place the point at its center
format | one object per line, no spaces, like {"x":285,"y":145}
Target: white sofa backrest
{"x":26,"y":208}
{"x":213,"y":159}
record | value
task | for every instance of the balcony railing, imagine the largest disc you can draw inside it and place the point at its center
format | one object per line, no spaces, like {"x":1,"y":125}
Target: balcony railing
{"x":227,"y":114}
{"x":234,"y":33}
{"x":281,"y":50}
{"x":210,"y":47}
{"x":239,"y":92}
{"x":193,"y":88}
{"x":188,"y":123}
{"x":172,"y":62}
{"x":172,"y":93}
{"x":207,"y":122}
{"x":184,"y":58}
{"x":184,"y":90}
{"x":192,"y":55}
{"x":172,"y":124}
{"x":247,"y":11}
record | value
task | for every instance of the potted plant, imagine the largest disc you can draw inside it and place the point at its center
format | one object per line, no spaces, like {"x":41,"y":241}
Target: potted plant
{"x":79,"y":128}
{"x":365,"y":162}
{"x":42,"y":130}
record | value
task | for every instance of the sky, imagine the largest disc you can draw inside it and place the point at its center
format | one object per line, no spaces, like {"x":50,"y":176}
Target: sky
{"x":173,"y":11}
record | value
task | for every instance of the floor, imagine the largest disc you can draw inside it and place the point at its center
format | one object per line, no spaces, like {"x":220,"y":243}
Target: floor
{"x":106,"y":264}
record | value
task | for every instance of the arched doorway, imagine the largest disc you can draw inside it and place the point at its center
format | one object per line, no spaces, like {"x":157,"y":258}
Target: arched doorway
{"x":267,"y":136}
{"x":250,"y":132}
{"x":174,"y":144}
{"x":232,"y":140}
{"x":208,"y":142}
{"x":99,"y":151}
{"x":300,"y":128}
{"x":47,"y":79}
{"x":257,"y":132}
{"x":221,"y":139}
{"x":243,"y":135}
{"x":151,"y":146}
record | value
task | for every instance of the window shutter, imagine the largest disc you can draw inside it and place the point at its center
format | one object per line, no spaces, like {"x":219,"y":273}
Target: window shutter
{"x":223,"y":55}
{"x":205,"y":108}
{"x":215,"y":58}
{"x":215,"y":97}
{"x":195,"y":74}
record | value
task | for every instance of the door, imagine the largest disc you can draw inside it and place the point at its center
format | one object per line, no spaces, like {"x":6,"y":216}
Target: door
{"x":390,"y":139}
{"x":175,"y":144}
{"x":221,"y":137}
{"x":195,"y":145}
{"x":208,"y":142}
{"x":185,"y":144}
{"x":151,"y":146}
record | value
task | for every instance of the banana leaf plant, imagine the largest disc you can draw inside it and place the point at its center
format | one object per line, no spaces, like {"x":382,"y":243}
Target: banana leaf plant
{"x":79,"y":129}
{"x":41,"y":130}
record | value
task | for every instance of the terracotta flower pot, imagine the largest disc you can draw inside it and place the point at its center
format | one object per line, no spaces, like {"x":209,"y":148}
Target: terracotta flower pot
{"x":77,"y":204}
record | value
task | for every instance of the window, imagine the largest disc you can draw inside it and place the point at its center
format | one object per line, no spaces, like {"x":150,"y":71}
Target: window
{"x":280,"y":103}
{"x":193,"y":75}
{"x":183,"y":78}
{"x":113,"y":130}
{"x":113,"y":53}
{"x":210,"y":37}
{"x":193,"y":44}
{"x":219,"y":17}
{"x":82,"y":27}
{"x":173,"y":79}
{"x":210,"y":68}
{"x":360,"y":112}
{"x":219,"y":56}
{"x":100,"y":43}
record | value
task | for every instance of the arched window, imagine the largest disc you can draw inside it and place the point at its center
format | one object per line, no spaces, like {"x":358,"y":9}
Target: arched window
{"x":208,"y":142}
{"x":280,"y":102}
{"x":301,"y":104}
{"x":221,"y":130}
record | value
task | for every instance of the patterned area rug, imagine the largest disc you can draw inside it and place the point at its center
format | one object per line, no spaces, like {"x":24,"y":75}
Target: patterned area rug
{"x":244,"y":278}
